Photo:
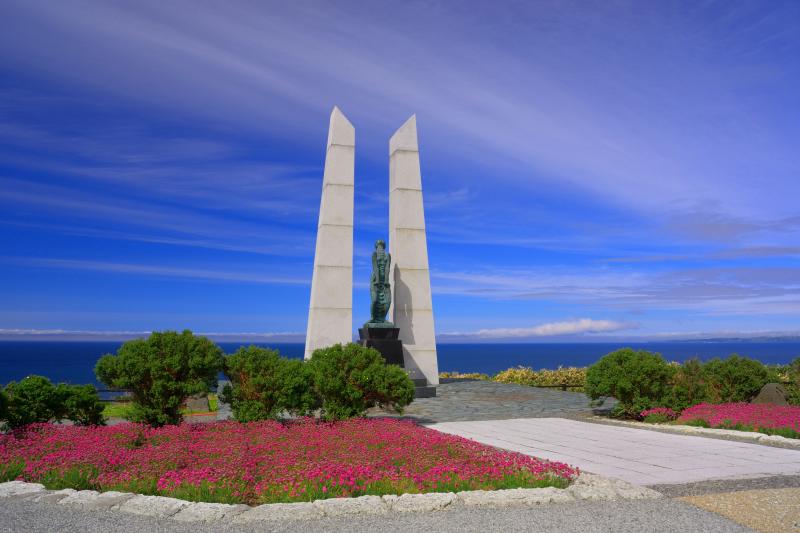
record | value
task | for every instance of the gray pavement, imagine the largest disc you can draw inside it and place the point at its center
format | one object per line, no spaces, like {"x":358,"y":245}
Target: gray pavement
{"x":486,"y":400}
{"x":639,"y":456}
{"x":618,"y":517}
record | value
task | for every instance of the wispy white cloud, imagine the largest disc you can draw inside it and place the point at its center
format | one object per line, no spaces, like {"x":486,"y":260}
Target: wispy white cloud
{"x":172,"y":272}
{"x":614,"y":123}
{"x":555,"y":329}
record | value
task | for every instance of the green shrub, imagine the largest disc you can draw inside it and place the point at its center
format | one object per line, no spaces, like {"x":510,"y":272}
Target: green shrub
{"x":36,"y":399}
{"x":521,"y":375}
{"x":736,"y":379}
{"x":161,"y":372}
{"x":81,"y":404}
{"x":30,"y":400}
{"x":562,"y":376}
{"x":264,"y":384}
{"x":639,"y":380}
{"x":689,"y":386}
{"x":3,"y":405}
{"x":792,"y":375}
{"x":351,"y":378}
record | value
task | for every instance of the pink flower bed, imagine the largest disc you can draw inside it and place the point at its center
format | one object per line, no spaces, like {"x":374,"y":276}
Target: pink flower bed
{"x":665,"y":412}
{"x":267,"y":461}
{"x":758,"y":416}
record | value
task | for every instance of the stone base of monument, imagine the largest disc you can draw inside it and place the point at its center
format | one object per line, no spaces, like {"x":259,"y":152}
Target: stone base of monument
{"x":384,"y":339}
{"x":423,"y":390}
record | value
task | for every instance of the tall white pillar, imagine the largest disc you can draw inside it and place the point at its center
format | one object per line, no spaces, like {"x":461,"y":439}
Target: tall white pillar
{"x":412,"y":308}
{"x":330,"y":313}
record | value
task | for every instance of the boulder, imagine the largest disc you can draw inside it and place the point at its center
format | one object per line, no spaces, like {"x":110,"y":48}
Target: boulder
{"x":198,"y":403}
{"x":771,"y":393}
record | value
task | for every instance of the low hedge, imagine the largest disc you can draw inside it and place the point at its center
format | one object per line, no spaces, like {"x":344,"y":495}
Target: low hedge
{"x":36,"y":399}
{"x":264,"y":385}
{"x":350,"y":379}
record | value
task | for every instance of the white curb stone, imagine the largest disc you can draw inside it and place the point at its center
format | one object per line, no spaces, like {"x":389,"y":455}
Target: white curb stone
{"x":50,"y":496}
{"x":777,"y":439}
{"x":512,"y":497}
{"x":19,"y":488}
{"x":155,"y":506}
{"x":209,"y":512}
{"x":585,"y":487}
{"x":93,"y":500}
{"x":432,"y":501}
{"x":594,"y":487}
{"x":352,"y":506}
{"x":279,"y":511}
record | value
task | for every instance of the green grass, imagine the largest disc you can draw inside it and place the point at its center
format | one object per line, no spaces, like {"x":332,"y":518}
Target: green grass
{"x":117,"y":409}
{"x":123,"y":409}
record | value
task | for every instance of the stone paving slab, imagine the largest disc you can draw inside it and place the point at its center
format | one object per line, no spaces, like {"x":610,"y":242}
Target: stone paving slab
{"x":638,"y":456}
{"x":487,"y":400}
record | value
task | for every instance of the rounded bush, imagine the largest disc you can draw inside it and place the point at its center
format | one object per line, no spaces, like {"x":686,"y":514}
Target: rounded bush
{"x":639,"y":380}
{"x":264,"y":384}
{"x":3,"y":405}
{"x":736,"y":379}
{"x":161,"y":372}
{"x":351,"y":378}
{"x":30,"y":400}
{"x":81,"y":404}
{"x":689,"y":386}
{"x":793,"y":385}
{"x":36,"y":399}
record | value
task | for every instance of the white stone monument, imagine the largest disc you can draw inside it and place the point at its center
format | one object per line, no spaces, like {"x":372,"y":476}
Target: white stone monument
{"x":330,"y":313}
{"x":412,"y":308}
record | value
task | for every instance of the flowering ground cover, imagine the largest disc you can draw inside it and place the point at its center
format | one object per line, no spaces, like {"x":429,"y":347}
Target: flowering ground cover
{"x":263,"y":462}
{"x":764,"y":418}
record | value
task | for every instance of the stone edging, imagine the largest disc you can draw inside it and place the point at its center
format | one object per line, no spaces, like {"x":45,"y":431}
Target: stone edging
{"x":586,"y":487}
{"x":761,"y":438}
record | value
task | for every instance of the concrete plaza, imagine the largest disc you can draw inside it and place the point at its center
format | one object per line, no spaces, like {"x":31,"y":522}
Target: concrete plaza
{"x":638,"y":456}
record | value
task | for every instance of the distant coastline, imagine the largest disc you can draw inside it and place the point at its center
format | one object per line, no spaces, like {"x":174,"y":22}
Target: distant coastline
{"x":293,"y":337}
{"x":73,"y":360}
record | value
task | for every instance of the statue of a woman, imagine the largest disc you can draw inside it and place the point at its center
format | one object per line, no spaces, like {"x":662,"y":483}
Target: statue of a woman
{"x":380,"y":290}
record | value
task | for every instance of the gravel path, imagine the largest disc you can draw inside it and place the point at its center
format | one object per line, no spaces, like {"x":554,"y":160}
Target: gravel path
{"x":618,"y":517}
{"x":768,"y":511}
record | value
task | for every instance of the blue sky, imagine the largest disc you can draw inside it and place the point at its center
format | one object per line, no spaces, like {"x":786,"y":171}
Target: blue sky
{"x":623,"y":168}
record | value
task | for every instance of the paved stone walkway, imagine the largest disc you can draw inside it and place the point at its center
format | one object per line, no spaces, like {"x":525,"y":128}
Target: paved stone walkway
{"x":638,"y":456}
{"x":487,"y":400}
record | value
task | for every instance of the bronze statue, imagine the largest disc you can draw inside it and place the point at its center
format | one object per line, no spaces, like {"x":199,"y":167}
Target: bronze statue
{"x":380,"y":290}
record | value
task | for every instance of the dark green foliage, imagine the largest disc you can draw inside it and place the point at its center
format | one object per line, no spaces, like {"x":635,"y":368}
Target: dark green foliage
{"x":689,"y":386}
{"x":3,"y":405}
{"x":793,"y":387}
{"x":735,"y":379}
{"x":264,"y":384}
{"x":81,"y":404}
{"x":698,"y":422}
{"x":638,"y":379}
{"x":351,"y":378}
{"x":35,"y":399}
{"x":656,"y":418}
{"x":161,"y":372}
{"x":30,"y":400}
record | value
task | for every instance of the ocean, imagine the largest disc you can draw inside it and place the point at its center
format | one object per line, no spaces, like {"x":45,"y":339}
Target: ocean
{"x":73,"y":361}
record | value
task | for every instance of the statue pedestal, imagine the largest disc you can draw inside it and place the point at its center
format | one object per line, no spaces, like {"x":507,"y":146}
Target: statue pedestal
{"x":385,"y":341}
